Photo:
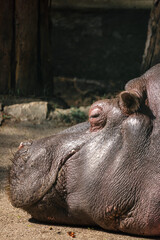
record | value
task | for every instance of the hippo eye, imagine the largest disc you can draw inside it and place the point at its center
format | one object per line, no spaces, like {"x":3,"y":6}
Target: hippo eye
{"x":95,"y":115}
{"x":97,"y":118}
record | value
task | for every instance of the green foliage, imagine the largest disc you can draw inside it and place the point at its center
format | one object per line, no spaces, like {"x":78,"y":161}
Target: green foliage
{"x":78,"y":116}
{"x":73,"y":117}
{"x":4,"y":116}
{"x":65,"y":118}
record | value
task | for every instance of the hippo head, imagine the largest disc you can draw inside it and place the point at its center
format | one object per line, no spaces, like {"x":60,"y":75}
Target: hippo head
{"x":103,"y":172}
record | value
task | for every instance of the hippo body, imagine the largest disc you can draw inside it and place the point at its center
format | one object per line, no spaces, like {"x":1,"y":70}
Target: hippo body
{"x":104,"y":172}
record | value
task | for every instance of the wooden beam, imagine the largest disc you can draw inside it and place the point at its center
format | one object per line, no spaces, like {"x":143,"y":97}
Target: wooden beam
{"x":45,"y":66}
{"x":6,"y":38}
{"x":102,"y":4}
{"x":26,"y":19}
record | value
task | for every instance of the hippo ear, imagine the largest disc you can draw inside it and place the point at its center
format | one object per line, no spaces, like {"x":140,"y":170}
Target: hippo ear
{"x":129,"y":102}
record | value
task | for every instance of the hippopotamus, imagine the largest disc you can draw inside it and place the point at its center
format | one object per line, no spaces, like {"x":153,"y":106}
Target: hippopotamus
{"x":104,"y":172}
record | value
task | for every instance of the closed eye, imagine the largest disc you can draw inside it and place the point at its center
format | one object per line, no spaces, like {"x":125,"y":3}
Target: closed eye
{"x":95,"y":115}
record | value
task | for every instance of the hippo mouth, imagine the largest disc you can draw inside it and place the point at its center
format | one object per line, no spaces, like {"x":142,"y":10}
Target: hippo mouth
{"x":34,"y":172}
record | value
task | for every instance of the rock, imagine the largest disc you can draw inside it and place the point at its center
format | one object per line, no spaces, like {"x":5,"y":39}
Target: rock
{"x":34,"y":111}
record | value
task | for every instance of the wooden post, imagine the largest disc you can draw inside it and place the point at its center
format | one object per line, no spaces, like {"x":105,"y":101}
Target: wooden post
{"x":152,"y":49}
{"x":6,"y":40}
{"x":26,"y":73}
{"x":45,"y":68}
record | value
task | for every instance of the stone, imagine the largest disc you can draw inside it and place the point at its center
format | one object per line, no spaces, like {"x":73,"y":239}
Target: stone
{"x":34,"y":111}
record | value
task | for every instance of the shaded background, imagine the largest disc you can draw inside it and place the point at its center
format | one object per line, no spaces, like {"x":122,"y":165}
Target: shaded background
{"x":74,"y":51}
{"x":106,"y":46}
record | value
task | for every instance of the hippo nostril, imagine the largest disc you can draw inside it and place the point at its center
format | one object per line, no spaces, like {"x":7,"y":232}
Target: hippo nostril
{"x":23,"y":144}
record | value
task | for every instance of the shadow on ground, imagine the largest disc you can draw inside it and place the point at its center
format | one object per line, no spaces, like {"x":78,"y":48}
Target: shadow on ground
{"x":3,"y":177}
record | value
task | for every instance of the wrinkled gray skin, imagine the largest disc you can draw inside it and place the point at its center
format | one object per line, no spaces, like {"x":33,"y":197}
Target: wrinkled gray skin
{"x":102,"y":172}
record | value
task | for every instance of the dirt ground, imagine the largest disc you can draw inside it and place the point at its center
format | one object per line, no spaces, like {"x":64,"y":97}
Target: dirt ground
{"x":15,"y":223}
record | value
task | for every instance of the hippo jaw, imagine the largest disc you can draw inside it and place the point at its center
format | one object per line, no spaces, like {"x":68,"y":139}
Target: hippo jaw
{"x":35,"y":169}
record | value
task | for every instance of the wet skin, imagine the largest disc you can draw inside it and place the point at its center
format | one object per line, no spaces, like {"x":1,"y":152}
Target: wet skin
{"x":103,"y":172}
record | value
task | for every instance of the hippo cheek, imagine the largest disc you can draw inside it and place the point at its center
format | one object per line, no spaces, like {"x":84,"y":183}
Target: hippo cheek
{"x":34,"y":171}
